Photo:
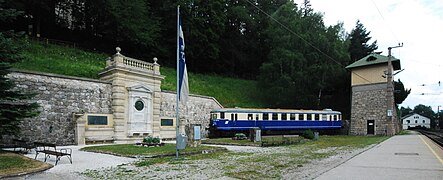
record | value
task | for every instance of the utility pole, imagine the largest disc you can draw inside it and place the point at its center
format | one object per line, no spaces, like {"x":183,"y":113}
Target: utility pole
{"x":390,"y":92}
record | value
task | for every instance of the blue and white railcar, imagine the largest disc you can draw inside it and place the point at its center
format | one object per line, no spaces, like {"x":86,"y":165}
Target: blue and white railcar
{"x":239,"y":119}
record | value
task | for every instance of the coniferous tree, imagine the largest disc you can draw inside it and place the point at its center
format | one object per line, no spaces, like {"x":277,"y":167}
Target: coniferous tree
{"x":359,"y":46}
{"x":14,"y":105}
{"x":400,"y":92}
{"x":297,"y":73}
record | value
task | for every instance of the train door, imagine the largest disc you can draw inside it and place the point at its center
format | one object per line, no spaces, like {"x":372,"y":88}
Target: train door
{"x":371,"y":127}
{"x":234,"y":118}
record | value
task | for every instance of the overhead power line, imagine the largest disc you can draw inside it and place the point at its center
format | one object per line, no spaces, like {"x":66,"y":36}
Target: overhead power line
{"x":384,"y":20}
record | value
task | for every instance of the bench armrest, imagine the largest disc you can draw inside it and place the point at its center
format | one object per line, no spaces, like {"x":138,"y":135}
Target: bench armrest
{"x":66,"y":151}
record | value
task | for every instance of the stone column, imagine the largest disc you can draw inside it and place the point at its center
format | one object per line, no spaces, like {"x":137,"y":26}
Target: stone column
{"x":79,"y":128}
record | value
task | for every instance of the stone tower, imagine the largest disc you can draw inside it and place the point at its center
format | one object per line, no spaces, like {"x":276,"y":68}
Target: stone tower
{"x":369,"y":109}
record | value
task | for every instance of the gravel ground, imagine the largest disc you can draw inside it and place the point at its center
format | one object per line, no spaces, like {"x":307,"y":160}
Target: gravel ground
{"x":242,"y":162}
{"x":81,"y":161}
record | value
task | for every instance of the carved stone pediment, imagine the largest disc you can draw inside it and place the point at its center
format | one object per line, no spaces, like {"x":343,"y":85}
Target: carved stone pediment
{"x":139,"y":88}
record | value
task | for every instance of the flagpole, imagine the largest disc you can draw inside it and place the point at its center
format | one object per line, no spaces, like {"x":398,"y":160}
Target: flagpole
{"x":177,"y":114}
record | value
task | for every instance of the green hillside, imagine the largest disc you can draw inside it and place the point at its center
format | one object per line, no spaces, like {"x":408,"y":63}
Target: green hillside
{"x":230,"y":92}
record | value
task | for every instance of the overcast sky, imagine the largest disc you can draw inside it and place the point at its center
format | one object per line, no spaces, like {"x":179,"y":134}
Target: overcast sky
{"x":416,"y":23}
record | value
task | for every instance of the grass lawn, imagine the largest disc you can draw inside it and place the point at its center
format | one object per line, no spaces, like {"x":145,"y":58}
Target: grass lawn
{"x":14,"y":164}
{"x":350,"y":142}
{"x":266,"y":141}
{"x":62,"y":60}
{"x":230,"y":141}
{"x":133,"y":150}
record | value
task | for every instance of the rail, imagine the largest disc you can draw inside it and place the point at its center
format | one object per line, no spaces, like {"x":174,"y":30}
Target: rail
{"x":436,"y":136}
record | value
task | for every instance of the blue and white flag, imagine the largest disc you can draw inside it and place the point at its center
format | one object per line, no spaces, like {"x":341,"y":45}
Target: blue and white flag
{"x":183,"y":86}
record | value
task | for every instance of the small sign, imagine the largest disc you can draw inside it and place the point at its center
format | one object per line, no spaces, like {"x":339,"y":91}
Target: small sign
{"x":389,"y":113}
{"x":197,"y":133}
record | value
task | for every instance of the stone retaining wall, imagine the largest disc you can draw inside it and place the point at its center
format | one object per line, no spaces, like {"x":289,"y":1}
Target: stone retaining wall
{"x":197,"y":111}
{"x":59,"y":97}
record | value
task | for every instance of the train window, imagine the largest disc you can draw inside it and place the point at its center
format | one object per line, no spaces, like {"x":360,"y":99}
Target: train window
{"x":308,"y":117}
{"x":214,"y":116}
{"x":236,"y":117}
{"x":301,"y":117}
{"x":292,"y":116}
{"x":274,"y":116}
{"x":324,"y":117}
{"x":283,"y":116}
{"x":250,"y":117}
{"x":256,"y":116}
{"x":222,"y":115}
{"x":316,"y":117}
{"x":265,"y":116}
{"x":232,"y":116}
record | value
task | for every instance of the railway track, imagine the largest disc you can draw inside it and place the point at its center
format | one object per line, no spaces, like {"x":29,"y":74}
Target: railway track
{"x":437,"y":137}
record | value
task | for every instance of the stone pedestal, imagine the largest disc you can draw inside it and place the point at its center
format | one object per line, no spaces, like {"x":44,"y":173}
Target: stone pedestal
{"x":193,"y":131}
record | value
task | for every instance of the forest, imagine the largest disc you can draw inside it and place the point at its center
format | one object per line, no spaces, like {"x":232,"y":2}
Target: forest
{"x":297,"y":60}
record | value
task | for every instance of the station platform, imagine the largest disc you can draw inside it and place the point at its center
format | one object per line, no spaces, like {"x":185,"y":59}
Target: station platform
{"x":399,"y":157}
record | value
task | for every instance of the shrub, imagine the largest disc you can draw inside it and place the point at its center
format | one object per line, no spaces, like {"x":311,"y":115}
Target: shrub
{"x":239,"y":136}
{"x":151,"y":140}
{"x":308,"y":134}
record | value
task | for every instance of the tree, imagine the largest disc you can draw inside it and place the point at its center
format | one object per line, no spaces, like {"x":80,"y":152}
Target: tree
{"x":304,"y":61}
{"x":204,"y":24}
{"x":14,"y":105}
{"x":405,"y":111}
{"x":424,"y":110}
{"x":400,"y":93}
{"x":358,"y":39}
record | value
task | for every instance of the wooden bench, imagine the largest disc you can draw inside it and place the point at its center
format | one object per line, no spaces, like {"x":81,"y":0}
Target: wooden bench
{"x":49,"y":149}
{"x":18,"y":143}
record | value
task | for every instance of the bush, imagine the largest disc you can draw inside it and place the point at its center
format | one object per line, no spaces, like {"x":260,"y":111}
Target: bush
{"x":151,"y":140}
{"x":239,"y":136}
{"x":308,"y":134}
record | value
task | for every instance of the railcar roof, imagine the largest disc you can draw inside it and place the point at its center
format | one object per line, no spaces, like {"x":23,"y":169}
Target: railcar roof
{"x":253,"y":110}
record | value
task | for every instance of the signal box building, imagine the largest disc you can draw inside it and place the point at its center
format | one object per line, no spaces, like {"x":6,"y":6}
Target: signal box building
{"x":369,"y":105}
